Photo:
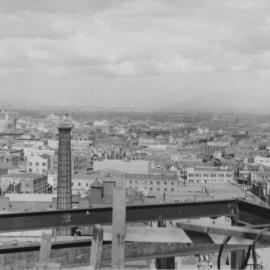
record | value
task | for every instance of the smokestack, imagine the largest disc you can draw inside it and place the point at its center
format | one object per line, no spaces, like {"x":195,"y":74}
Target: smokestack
{"x":64,"y":195}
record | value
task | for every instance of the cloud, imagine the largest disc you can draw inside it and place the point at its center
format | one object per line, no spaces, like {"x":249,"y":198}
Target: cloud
{"x":141,"y":33}
{"x":76,"y":39}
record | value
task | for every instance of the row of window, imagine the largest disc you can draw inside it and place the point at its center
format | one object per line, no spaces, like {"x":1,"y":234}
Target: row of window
{"x":207,"y":181}
{"x":211,"y":175}
{"x":151,"y":182}
{"x":37,"y":164}
{"x":157,"y":189}
{"x":79,"y":184}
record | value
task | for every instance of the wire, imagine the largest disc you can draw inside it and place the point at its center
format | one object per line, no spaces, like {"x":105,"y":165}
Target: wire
{"x":225,"y":241}
{"x":252,"y":248}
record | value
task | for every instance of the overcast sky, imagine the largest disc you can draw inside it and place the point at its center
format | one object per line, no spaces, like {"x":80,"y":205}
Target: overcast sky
{"x":175,"y":55}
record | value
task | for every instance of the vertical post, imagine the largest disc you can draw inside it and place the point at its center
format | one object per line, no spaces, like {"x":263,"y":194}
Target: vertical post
{"x":96,"y":248}
{"x":45,"y":248}
{"x":237,"y":257}
{"x":119,"y":225}
{"x":45,"y":253}
{"x":164,"y":263}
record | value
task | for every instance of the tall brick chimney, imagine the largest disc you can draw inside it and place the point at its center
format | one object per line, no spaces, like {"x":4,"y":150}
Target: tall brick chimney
{"x":64,"y":195}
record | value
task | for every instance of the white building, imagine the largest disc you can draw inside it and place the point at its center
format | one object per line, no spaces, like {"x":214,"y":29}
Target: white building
{"x":209,"y":175}
{"x":153,"y":183}
{"x":149,"y":184}
{"x":262,"y":160}
{"x":38,"y":164}
{"x":81,"y":184}
{"x":157,"y":147}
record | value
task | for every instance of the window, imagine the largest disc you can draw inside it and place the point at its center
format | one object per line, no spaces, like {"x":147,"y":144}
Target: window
{"x":158,"y":189}
{"x":191,"y":175}
{"x":151,"y":182}
{"x":172,"y":183}
{"x":37,"y":163}
{"x":43,"y":171}
{"x":130,"y":181}
{"x":30,"y":163}
{"x":158,"y":182}
{"x":165,"y":182}
{"x":43,"y":164}
{"x":172,"y":189}
{"x":87,"y":184}
{"x":165,"y":189}
{"x":151,"y":189}
{"x":79,"y":184}
{"x":30,"y":170}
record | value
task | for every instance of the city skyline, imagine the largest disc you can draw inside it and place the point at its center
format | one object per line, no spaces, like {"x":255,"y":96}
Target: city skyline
{"x":149,"y":55}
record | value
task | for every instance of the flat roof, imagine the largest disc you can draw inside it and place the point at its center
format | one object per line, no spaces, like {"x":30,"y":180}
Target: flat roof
{"x":24,"y":175}
{"x":22,"y":197}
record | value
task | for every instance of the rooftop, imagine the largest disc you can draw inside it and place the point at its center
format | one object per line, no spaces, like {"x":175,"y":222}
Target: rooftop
{"x":24,"y":175}
{"x":20,"y":197}
{"x":212,"y":169}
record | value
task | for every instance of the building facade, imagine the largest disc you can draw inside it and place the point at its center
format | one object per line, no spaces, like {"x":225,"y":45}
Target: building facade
{"x":38,"y":164}
{"x":153,"y":183}
{"x":29,"y":182}
{"x":209,"y":175}
{"x":262,"y":160}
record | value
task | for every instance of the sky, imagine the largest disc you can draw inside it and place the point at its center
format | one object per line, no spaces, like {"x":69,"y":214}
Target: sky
{"x":179,"y":55}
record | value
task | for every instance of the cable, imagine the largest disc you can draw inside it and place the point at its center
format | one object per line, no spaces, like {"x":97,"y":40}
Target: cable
{"x":252,"y":248}
{"x":225,"y":241}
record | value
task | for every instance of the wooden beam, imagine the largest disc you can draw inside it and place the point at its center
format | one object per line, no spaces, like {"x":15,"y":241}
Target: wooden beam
{"x":45,"y":254}
{"x":133,"y":252}
{"x":234,"y":231}
{"x":119,"y":225}
{"x":150,"y":234}
{"x":96,"y":248}
{"x":45,"y":248}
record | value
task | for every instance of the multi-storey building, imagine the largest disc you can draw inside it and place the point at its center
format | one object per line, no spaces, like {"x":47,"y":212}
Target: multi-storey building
{"x":261,"y":177}
{"x":153,"y":183}
{"x":39,"y":164}
{"x":209,"y":175}
{"x":79,"y":164}
{"x":29,"y":182}
{"x":262,"y":160}
{"x":156,"y":184}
